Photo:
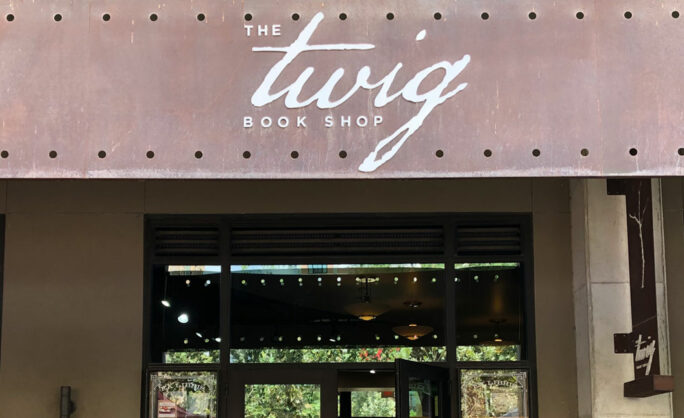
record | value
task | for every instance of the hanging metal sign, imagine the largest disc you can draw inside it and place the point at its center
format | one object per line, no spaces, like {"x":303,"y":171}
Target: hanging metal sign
{"x":643,"y":341}
{"x":388,"y":89}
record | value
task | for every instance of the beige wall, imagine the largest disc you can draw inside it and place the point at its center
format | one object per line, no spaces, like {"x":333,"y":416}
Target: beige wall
{"x":673,"y":225}
{"x":73,"y":274}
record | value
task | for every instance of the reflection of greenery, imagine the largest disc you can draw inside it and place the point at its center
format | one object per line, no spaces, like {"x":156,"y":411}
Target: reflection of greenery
{"x":493,"y":393}
{"x":504,"y":352}
{"x":191,"y":357}
{"x":486,"y":266}
{"x":337,"y":355}
{"x":281,"y":401}
{"x":193,"y":391}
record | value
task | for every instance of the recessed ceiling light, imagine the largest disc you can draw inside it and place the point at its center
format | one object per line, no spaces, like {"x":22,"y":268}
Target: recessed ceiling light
{"x":166,"y":303}
{"x":183,"y":318}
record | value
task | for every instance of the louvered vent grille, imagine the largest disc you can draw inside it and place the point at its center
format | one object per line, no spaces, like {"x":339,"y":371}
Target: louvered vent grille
{"x":186,"y":241}
{"x":337,"y":241}
{"x":488,"y":240}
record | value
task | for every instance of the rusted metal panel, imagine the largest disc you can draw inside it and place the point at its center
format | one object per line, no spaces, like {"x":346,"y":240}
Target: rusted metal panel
{"x":547,"y":94}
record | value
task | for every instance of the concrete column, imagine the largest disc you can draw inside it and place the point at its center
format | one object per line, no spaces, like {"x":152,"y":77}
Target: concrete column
{"x":602,"y":302}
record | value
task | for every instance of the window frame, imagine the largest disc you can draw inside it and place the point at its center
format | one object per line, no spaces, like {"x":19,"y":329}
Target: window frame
{"x":449,"y":223}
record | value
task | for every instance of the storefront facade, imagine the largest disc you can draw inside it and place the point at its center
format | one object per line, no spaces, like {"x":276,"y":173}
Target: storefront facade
{"x":208,"y":218}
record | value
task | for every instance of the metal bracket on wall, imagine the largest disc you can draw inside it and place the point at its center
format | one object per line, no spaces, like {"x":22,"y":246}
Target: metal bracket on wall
{"x":642,"y":342}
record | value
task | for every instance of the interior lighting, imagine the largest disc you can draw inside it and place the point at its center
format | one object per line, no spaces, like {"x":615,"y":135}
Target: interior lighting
{"x":372,"y":371}
{"x":183,"y":318}
{"x":198,"y":335}
{"x":187,"y":282}
{"x":318,"y":338}
{"x":415,"y":279}
{"x":299,"y":338}
{"x":413,"y":331}
{"x":282,"y":282}
{"x":244,"y":282}
{"x":263,"y":282}
{"x":206,"y":340}
{"x":366,"y":310}
{"x":166,"y":303}
{"x":217,"y":339}
{"x":185,"y":341}
{"x":207,"y":283}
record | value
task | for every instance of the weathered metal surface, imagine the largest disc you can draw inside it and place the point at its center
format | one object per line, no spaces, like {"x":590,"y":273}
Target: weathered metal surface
{"x":582,"y":92}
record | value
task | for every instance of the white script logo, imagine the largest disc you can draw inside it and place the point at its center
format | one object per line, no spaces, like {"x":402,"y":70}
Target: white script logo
{"x":387,"y":147}
{"x":643,"y":352}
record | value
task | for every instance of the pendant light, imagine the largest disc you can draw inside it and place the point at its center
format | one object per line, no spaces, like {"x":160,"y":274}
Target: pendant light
{"x":412,"y":331}
{"x":366,"y":310}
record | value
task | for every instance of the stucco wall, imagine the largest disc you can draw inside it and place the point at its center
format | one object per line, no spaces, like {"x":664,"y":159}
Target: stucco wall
{"x":673,"y":226}
{"x":74,"y":259}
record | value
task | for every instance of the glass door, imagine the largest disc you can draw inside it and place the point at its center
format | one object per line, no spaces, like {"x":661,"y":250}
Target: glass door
{"x":282,"y":391}
{"x":422,"y":390}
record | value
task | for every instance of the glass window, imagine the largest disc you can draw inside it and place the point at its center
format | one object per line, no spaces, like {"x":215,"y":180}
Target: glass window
{"x":275,"y":401}
{"x":494,"y":393}
{"x":183,"y":394}
{"x":185,"y":314}
{"x":337,"y":313}
{"x":490,"y":324}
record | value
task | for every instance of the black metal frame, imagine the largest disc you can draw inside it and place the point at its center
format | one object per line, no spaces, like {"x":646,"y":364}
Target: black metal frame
{"x":448,"y":257}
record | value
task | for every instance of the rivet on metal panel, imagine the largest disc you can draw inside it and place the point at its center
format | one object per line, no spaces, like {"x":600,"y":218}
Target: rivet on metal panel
{"x":53,"y":154}
{"x":201,"y":17}
{"x":150,"y":154}
{"x":9,"y":17}
{"x":484,"y":15}
{"x":487,"y":153}
{"x":246,"y":155}
{"x":628,"y":15}
{"x":584,"y":152}
{"x":390,"y":16}
{"x":295,"y":16}
{"x":248,"y":16}
{"x":680,"y":151}
{"x":439,"y":153}
{"x":154,"y":17}
{"x":532,"y":15}
{"x":343,"y":16}
{"x":580,"y":15}
{"x":198,"y":155}
{"x":633,"y":152}
{"x":57,"y":17}
{"x":294,"y":154}
{"x":106,"y":17}
{"x":675,"y":14}
{"x":102,"y":154}
{"x":343,"y":154}
{"x":437,"y":15}
{"x":536,"y":152}
{"x":4,"y":154}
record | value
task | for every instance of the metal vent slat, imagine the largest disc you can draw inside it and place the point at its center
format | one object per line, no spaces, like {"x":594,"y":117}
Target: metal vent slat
{"x":488,"y":240}
{"x":337,"y":241}
{"x":186,"y":241}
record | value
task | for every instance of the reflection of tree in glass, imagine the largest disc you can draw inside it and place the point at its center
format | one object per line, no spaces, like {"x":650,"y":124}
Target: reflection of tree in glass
{"x":195,"y":392}
{"x":493,"y":393}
